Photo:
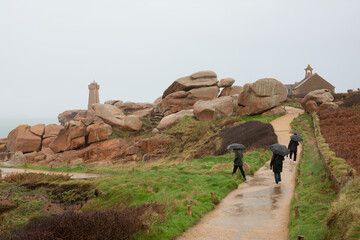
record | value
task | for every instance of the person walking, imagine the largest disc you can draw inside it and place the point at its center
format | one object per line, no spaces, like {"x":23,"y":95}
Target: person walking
{"x":276,"y":164}
{"x":238,"y":163}
{"x":293,"y":148}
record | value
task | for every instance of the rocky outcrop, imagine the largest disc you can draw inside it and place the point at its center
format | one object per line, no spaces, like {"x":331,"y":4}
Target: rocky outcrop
{"x":52,"y":130}
{"x":95,"y":153}
{"x":128,"y":108}
{"x":71,"y":137}
{"x":215,"y":109}
{"x":229,"y":91}
{"x":184,"y":100}
{"x":23,"y":140}
{"x":109,"y":113}
{"x":38,"y":129}
{"x":226,"y":82}
{"x":156,"y":143}
{"x":174,"y":118}
{"x":15,"y":159}
{"x":261,"y":95}
{"x":196,"y":80}
{"x":98,"y":132}
{"x":318,"y":100}
{"x":78,"y":115}
{"x":131,"y":123}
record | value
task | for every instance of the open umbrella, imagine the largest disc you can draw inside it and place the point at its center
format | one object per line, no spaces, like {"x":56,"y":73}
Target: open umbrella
{"x":295,"y":132}
{"x":236,"y":146}
{"x":296,"y":138}
{"x":279,"y":149}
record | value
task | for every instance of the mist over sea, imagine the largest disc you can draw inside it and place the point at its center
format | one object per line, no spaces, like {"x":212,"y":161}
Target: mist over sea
{"x":8,"y":124}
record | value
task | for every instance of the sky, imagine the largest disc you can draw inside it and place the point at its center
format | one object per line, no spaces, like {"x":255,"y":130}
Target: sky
{"x":50,"y":51}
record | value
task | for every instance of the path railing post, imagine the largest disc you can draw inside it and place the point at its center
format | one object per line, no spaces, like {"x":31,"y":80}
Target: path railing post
{"x":213,"y":198}
{"x":188,"y":208}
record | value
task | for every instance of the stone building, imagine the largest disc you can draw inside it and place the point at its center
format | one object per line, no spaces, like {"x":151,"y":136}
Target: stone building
{"x":310,"y":83}
{"x":93,"y":94}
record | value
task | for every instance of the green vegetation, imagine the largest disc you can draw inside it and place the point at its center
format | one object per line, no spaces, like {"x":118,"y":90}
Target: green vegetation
{"x":293,"y":102}
{"x":343,"y":220}
{"x":315,"y":191}
{"x":174,"y":185}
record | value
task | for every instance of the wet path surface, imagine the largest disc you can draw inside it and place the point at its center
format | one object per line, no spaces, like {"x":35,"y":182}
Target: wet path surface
{"x":258,"y":209}
{"x":7,"y":171}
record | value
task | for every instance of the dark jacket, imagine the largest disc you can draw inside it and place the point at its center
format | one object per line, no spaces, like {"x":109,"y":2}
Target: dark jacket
{"x":293,"y":146}
{"x":277,"y":163}
{"x":238,"y":158}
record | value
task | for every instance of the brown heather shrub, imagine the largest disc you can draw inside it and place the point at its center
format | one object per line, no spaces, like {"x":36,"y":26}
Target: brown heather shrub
{"x":354,"y":99}
{"x":252,"y":134}
{"x":22,"y":178}
{"x":341,"y":130}
{"x":94,"y":225}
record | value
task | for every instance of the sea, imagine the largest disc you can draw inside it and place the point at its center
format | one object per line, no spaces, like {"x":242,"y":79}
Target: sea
{"x":8,"y":124}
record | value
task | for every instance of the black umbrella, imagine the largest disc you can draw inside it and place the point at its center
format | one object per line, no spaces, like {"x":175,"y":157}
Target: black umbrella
{"x":296,"y":138}
{"x":279,"y":149}
{"x":236,"y":146}
{"x":295,"y":132}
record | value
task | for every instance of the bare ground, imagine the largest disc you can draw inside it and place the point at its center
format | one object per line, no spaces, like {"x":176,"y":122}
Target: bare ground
{"x":258,"y":209}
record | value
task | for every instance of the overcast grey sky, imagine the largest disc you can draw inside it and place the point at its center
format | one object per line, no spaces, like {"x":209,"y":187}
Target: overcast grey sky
{"x":51,"y":50}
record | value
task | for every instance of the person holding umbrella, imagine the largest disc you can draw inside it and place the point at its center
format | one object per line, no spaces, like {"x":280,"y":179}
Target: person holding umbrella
{"x":294,"y":142}
{"x":238,"y":162}
{"x":276,"y":163}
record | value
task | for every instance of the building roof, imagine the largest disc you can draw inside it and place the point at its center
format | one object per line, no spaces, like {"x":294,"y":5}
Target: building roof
{"x":307,"y":79}
{"x":309,"y":68}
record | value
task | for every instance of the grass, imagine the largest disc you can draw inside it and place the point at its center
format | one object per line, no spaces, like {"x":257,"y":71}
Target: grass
{"x":174,"y":185}
{"x":315,"y":191}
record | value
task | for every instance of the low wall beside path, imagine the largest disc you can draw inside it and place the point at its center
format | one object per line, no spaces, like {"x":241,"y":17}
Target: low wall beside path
{"x":340,"y":172}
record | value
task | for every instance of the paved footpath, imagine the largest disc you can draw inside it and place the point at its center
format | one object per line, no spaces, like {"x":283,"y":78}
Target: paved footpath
{"x":258,"y":209}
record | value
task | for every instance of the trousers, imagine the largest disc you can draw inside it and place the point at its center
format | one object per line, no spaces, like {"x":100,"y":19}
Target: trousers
{"x":291,"y":153}
{"x":277,"y":176}
{"x":241,"y":170}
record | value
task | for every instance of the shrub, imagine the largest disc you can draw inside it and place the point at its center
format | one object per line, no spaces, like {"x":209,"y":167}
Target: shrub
{"x":89,"y":225}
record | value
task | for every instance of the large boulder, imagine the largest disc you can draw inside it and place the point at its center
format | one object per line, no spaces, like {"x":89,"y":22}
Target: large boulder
{"x":99,"y":151}
{"x":109,"y":113}
{"x":261,"y":95}
{"x":174,"y":118}
{"x":196,"y":80}
{"x":229,"y":91}
{"x":319,"y":96}
{"x":23,"y":140}
{"x":184,"y":100}
{"x":15,"y":159}
{"x":98,"y":132}
{"x":128,"y":108}
{"x":318,"y":100}
{"x":328,"y":105}
{"x":67,"y":116}
{"x":87,"y":117}
{"x":38,"y":129}
{"x":311,"y":106}
{"x":52,"y":130}
{"x":226,"y":82}
{"x":153,"y":143}
{"x":131,"y":123}
{"x":71,"y":137}
{"x":215,"y":109}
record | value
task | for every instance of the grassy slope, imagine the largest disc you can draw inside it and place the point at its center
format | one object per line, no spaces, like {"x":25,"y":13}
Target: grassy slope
{"x":175,"y":186}
{"x":314,"y":191}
